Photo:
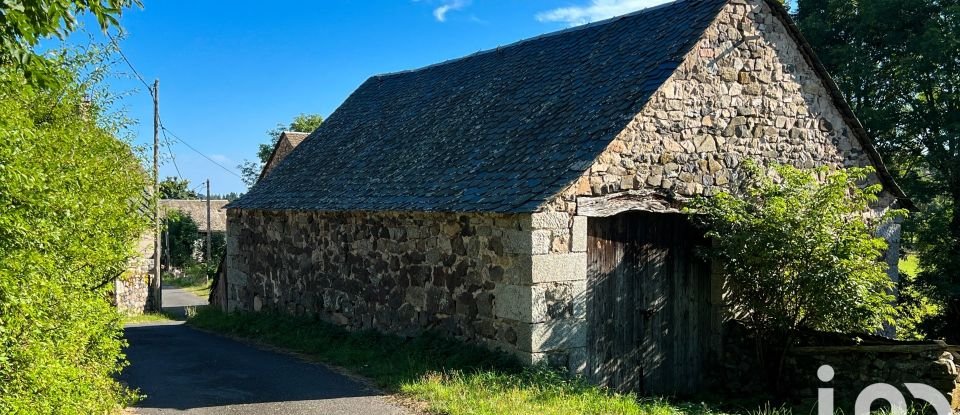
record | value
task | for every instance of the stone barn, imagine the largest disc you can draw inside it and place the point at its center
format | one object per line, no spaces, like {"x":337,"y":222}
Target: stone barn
{"x":527,"y":197}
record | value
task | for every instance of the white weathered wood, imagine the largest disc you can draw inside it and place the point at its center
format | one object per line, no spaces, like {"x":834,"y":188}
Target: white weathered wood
{"x":632,"y":200}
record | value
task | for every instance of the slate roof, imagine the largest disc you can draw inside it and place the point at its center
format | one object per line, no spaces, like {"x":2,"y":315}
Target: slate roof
{"x":498,"y":131}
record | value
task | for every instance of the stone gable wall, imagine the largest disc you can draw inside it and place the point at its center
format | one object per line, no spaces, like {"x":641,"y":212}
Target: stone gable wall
{"x":744,"y":92}
{"x":284,"y":148}
{"x":466,"y":275}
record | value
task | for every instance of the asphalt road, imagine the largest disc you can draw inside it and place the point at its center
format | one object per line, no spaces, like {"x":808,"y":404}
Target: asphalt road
{"x":176,"y":301}
{"x":183,"y":370}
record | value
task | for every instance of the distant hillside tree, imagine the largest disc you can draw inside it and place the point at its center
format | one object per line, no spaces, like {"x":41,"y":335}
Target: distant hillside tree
{"x":304,"y":123}
{"x":231,"y":196}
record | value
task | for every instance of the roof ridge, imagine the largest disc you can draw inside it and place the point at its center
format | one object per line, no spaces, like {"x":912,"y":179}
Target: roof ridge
{"x":535,"y":38}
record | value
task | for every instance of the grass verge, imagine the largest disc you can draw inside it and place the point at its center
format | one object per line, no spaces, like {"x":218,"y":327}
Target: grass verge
{"x":448,"y":376}
{"x":147,"y":318}
{"x":193,"y":280}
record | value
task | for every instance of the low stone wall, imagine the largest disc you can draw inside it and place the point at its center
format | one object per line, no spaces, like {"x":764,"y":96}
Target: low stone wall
{"x":396,"y":272}
{"x":855,"y":366}
{"x":131,"y":290}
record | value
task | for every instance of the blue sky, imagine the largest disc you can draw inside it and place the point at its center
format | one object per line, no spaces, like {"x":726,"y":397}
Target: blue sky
{"x":230,"y":71}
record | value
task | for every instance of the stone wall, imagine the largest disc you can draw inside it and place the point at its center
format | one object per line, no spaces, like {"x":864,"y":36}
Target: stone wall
{"x":466,"y":275}
{"x":855,"y":366}
{"x":131,"y":291}
{"x":744,"y":92}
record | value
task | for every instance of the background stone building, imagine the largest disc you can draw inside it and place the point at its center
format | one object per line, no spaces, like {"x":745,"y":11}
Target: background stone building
{"x":528,"y":197}
{"x":196,"y":210}
{"x":287,"y":141}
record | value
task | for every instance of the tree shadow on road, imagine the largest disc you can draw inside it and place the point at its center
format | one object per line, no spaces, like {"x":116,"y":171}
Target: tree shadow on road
{"x":178,"y":367}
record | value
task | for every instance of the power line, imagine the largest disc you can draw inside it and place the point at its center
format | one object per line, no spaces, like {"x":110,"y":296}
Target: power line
{"x":163,"y":128}
{"x":135,"y":73}
{"x":170,"y":151}
{"x":228,"y":170}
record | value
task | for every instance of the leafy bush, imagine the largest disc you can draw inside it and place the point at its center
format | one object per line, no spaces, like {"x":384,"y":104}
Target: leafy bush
{"x":939,"y":276}
{"x":218,"y":246}
{"x":797,"y":252}
{"x":916,"y":309}
{"x":182,"y":234}
{"x":70,"y":194}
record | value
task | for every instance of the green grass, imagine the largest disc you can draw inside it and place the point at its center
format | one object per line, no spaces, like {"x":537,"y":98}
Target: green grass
{"x":146,"y":318}
{"x":448,"y":376}
{"x":910,"y":265}
{"x":193,"y":280}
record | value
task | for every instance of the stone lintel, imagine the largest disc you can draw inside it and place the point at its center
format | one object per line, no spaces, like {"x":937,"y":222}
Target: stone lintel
{"x":550,"y":220}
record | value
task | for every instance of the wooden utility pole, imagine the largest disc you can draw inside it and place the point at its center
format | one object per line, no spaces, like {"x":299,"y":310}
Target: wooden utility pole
{"x":155,"y":281}
{"x":208,"y":223}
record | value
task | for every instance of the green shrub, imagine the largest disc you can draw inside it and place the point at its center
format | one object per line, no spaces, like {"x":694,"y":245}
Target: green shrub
{"x":797,"y":252}
{"x":70,"y":197}
{"x":916,"y":307}
{"x":182,"y":236}
{"x":218,"y":246}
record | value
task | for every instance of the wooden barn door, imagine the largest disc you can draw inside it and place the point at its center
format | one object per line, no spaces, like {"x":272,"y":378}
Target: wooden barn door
{"x":648,"y":304}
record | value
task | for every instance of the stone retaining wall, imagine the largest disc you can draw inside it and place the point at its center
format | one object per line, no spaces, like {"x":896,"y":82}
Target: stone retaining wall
{"x":471,"y":276}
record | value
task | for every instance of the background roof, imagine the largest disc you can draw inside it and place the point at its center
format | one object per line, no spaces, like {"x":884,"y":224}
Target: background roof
{"x":197,"y":210}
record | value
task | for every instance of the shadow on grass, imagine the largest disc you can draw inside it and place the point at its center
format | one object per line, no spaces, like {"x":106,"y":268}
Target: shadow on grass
{"x":447,"y":375}
{"x":391,"y":361}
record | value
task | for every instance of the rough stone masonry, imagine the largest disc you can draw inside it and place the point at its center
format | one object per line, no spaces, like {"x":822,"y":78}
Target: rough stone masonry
{"x":517,"y":282}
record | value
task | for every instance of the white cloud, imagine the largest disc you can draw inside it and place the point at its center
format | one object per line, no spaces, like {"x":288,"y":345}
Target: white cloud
{"x":220,"y":158}
{"x":596,"y":10}
{"x":449,"y":5}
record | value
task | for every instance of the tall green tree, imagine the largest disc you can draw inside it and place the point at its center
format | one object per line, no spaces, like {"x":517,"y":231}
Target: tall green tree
{"x":304,"y":123}
{"x":71,"y":201}
{"x":897,"y":63}
{"x":183,"y":234}
{"x":174,"y":188}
